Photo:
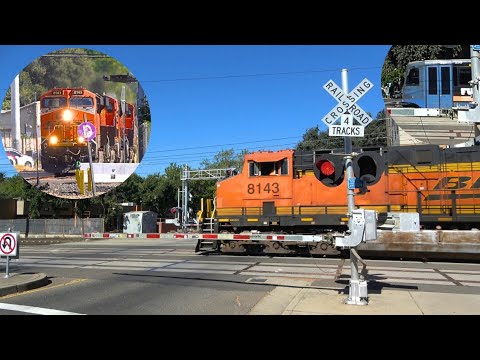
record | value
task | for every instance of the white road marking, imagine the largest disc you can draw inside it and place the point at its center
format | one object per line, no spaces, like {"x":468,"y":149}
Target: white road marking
{"x":35,"y":310}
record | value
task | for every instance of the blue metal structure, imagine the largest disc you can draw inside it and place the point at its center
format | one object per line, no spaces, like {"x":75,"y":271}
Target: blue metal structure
{"x":438,"y":84}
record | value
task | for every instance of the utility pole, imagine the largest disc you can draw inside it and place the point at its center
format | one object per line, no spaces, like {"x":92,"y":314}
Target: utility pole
{"x":90,"y":160}
{"x":472,"y":115}
{"x":185,"y":199}
{"x":37,"y":133}
{"x":15,"y":93}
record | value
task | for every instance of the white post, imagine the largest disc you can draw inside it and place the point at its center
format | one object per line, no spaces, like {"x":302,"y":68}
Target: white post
{"x":475,"y":57}
{"x":353,"y":298}
{"x":15,"y":94}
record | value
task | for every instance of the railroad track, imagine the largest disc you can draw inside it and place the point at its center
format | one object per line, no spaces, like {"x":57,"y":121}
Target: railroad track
{"x":64,"y":186}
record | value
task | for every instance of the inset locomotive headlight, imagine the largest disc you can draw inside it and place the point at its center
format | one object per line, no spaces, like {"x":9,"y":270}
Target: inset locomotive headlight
{"x":80,"y":139}
{"x":53,"y":140}
{"x":67,"y":115}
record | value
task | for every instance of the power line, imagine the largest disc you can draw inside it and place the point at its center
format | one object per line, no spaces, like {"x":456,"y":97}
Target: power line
{"x":194,"y":157}
{"x":223,"y":145}
{"x":257,"y":75}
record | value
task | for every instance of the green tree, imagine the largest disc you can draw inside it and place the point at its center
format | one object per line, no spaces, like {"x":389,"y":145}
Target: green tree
{"x":129,"y":190}
{"x":314,"y":139}
{"x":73,"y":67}
{"x":36,"y":200}
{"x":13,"y":187}
{"x":153,"y":189}
{"x":375,"y":132}
{"x":7,"y":101}
{"x":110,"y":207}
{"x":173,"y":182}
{"x":224,"y":159}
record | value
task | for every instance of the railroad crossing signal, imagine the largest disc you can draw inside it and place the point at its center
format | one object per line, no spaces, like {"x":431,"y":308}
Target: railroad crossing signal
{"x":368,"y":168}
{"x":122,"y":100}
{"x":347,"y":104}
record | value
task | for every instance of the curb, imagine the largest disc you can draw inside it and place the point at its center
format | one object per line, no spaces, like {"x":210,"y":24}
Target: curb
{"x":38,"y":280}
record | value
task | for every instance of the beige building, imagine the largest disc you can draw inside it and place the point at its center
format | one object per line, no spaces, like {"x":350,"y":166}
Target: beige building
{"x":29,"y":120}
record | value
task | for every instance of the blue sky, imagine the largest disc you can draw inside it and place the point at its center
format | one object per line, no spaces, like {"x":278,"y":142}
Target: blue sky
{"x":205,"y":99}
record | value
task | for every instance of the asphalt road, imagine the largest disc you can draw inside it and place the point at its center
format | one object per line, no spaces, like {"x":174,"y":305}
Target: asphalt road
{"x":144,"y":277}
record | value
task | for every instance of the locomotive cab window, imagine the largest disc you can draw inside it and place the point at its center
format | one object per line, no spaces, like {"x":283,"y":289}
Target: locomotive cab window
{"x":268,"y":168}
{"x":53,"y":103}
{"x":413,"y":77}
{"x":283,"y":167}
{"x":252,"y":168}
{"x":81,"y":102}
{"x":109,"y":106}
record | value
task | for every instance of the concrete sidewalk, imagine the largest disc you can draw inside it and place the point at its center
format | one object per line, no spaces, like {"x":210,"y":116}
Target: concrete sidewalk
{"x":300,"y":300}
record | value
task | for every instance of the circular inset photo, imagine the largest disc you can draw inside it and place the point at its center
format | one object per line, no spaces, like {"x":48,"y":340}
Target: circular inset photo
{"x":428,"y":95}
{"x":75,"y":123}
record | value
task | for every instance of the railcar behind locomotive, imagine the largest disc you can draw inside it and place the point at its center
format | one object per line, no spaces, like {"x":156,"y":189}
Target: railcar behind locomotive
{"x":62,"y":110}
{"x":305,"y":191}
{"x":440,"y":84}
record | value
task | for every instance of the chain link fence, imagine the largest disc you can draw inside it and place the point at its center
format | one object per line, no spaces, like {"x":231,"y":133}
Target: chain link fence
{"x":53,"y":226}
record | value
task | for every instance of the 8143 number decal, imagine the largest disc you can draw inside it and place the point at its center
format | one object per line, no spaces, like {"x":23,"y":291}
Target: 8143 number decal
{"x":267,"y":188}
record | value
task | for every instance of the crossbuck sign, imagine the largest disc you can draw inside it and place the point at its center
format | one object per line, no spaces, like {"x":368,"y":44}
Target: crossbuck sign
{"x":347,"y":110}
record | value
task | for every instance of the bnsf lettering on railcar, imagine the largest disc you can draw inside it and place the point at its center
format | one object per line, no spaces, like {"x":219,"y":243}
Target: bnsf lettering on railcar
{"x":456,"y":182}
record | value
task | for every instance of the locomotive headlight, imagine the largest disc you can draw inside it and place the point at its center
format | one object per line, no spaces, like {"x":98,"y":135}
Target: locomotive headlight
{"x":53,"y":140}
{"x":81,"y":139}
{"x":67,"y":115}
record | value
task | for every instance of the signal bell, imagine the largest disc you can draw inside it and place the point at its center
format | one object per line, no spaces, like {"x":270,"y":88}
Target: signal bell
{"x":329,"y":169}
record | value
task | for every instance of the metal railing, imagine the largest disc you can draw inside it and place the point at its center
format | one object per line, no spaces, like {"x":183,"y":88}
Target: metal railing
{"x":60,"y":227}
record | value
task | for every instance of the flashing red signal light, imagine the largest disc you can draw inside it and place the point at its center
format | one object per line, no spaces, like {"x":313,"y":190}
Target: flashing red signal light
{"x":329,"y":169}
{"x":326,"y":167}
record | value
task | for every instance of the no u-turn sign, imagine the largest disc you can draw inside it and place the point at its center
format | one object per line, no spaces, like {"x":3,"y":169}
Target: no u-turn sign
{"x":8,"y":244}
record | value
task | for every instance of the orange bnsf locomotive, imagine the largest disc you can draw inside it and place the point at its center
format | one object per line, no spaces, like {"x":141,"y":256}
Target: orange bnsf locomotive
{"x":306,"y":191}
{"x":62,"y":110}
